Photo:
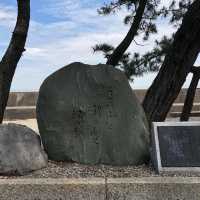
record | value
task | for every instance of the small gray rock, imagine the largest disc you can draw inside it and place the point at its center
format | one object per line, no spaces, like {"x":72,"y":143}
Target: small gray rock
{"x":20,"y":150}
{"x":89,"y":114}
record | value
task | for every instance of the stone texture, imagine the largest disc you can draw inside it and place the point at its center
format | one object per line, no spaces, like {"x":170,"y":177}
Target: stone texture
{"x":20,"y":150}
{"x":90,"y":115}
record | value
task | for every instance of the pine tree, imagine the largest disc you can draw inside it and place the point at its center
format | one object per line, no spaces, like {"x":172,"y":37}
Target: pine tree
{"x":177,"y":64}
{"x":135,"y":64}
{"x":171,"y":77}
{"x":142,"y":15}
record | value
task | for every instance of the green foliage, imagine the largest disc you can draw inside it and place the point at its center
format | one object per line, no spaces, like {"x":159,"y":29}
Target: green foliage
{"x":107,"y":50}
{"x":150,"y":61}
{"x":176,"y":10}
{"x":151,"y":13}
{"x":114,"y":6}
{"x":137,"y":65}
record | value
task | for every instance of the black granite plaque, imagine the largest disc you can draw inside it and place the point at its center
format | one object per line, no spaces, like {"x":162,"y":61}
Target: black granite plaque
{"x":176,"y":146}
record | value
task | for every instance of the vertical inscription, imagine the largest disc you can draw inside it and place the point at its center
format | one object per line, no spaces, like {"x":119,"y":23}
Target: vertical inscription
{"x":86,"y":118}
{"x":78,"y":118}
{"x":109,"y":108}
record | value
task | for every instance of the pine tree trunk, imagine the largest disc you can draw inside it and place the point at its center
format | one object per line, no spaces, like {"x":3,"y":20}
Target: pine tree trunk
{"x":190,"y":96}
{"x":14,"y":52}
{"x":123,"y":46}
{"x":175,"y":68}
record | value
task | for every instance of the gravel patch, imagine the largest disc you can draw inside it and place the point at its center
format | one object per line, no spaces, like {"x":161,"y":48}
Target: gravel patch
{"x":74,"y":170}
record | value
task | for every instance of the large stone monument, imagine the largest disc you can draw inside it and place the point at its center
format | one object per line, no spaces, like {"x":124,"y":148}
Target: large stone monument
{"x":89,"y":114}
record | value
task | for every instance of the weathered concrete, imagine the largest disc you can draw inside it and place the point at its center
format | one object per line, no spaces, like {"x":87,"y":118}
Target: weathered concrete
{"x":52,"y":189}
{"x":180,"y":99}
{"x":30,"y":98}
{"x":22,"y":99}
{"x":20,"y":112}
{"x":152,"y":188}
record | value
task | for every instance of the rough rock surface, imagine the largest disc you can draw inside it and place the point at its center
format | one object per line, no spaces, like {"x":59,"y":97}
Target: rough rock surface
{"x":89,"y":114}
{"x":20,"y":150}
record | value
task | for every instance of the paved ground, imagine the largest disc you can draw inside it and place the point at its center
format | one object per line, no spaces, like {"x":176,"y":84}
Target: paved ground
{"x":147,"y":188}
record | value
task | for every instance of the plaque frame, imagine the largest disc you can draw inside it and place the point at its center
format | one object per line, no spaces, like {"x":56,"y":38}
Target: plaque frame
{"x":155,"y":148}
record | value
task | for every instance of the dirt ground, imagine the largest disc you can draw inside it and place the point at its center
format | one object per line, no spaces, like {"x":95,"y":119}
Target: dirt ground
{"x":31,"y":123}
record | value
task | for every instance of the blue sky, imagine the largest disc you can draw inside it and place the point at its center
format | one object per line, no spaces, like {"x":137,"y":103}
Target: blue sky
{"x":64,"y":31}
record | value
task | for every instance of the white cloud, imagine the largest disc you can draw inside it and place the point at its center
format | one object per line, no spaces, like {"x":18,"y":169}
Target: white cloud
{"x":7,"y":16}
{"x":69,"y":37}
{"x":34,"y":52}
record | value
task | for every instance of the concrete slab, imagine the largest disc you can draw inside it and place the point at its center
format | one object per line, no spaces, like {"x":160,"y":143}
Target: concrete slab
{"x":165,"y":188}
{"x":151,"y":188}
{"x":52,"y":189}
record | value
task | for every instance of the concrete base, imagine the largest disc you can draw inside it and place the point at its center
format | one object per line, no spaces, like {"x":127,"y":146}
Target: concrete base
{"x":52,"y":189}
{"x":152,"y":188}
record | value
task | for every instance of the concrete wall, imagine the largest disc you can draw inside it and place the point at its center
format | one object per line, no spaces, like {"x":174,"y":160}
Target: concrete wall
{"x":180,"y":99}
{"x":22,"y":99}
{"x":30,"y":98}
{"x":21,"y":105}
